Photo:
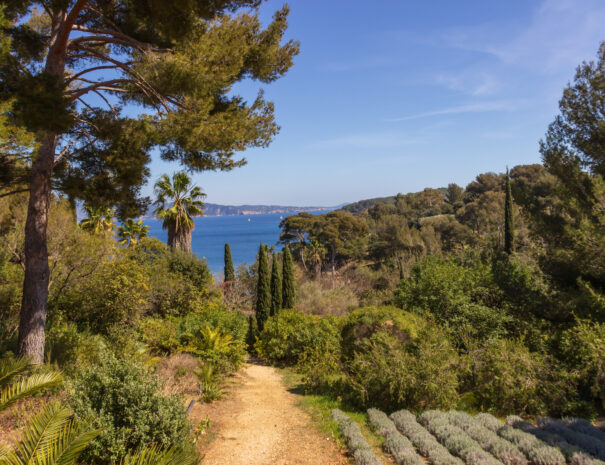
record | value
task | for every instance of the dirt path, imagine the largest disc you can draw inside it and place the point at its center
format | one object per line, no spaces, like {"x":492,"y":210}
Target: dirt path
{"x":260,"y":424}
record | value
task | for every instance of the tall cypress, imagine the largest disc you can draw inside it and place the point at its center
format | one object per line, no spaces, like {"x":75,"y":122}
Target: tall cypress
{"x":263,"y":289}
{"x":509,"y":220}
{"x":229,"y":271}
{"x":288,"y":285}
{"x":276,"y":291}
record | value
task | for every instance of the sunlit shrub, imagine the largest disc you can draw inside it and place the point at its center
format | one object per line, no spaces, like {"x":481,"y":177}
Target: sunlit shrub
{"x":122,"y":398}
{"x":391,"y":374}
{"x":287,"y":335}
{"x":506,"y":377}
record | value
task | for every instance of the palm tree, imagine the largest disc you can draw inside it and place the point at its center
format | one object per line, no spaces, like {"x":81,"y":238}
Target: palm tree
{"x":185,"y":200}
{"x":99,"y":220}
{"x":131,"y":232}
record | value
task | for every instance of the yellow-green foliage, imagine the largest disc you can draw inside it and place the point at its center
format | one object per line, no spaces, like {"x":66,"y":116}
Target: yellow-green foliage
{"x":288,"y":334}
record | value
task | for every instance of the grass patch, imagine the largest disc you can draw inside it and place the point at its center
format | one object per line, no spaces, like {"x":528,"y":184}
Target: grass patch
{"x":319,"y":407}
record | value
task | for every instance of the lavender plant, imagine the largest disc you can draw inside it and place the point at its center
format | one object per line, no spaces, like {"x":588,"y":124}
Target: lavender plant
{"x":424,"y":441}
{"x":357,"y":444}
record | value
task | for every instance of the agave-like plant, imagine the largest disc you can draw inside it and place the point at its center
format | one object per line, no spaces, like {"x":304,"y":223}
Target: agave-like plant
{"x":15,"y":385}
{"x":131,"y":232}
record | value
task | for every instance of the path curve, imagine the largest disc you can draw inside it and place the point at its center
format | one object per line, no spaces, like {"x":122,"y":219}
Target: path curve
{"x":261,"y":424}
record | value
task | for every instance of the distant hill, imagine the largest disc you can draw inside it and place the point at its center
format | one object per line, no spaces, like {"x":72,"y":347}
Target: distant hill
{"x":212,"y":209}
{"x":362,"y":205}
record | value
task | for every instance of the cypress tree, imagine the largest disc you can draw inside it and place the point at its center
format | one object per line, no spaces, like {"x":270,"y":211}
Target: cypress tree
{"x":263,"y":289}
{"x":276,"y":291}
{"x":509,"y":221}
{"x":229,"y":271}
{"x":288,"y":285}
{"x":251,"y":334}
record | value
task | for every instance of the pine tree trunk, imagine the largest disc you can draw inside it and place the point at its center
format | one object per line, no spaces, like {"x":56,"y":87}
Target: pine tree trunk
{"x":35,"y":285}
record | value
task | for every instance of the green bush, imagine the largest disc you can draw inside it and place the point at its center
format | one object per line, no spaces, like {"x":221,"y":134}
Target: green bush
{"x":583,"y":349}
{"x":392,"y":374}
{"x":72,"y":349}
{"x":360,"y":325}
{"x":505,"y":378}
{"x":214,"y":314}
{"x":160,"y":335}
{"x":123,"y":399}
{"x":458,"y":293}
{"x":115,"y":295}
{"x":290,"y":333}
{"x":191,"y":268}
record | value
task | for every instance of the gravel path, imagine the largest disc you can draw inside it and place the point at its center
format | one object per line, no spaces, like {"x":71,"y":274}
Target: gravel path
{"x":260,"y":424}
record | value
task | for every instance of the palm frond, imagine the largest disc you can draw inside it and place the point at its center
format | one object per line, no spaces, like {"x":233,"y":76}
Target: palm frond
{"x":28,"y":386}
{"x":41,"y":432}
{"x":74,"y":439}
{"x":51,"y":437}
{"x":10,"y":368}
{"x":156,"y":456}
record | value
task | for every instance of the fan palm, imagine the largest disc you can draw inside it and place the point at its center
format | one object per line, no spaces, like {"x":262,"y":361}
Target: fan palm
{"x":131,"y":232}
{"x":178,"y":201}
{"x":99,"y":220}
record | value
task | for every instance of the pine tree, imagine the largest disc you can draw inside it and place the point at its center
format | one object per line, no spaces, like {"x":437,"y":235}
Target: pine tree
{"x":276,"y":290}
{"x":229,"y":271}
{"x":509,"y":221}
{"x":263,"y":289}
{"x":288,"y":285}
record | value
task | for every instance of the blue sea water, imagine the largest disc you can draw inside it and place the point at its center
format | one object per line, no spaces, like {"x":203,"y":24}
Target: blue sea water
{"x":244,"y":233}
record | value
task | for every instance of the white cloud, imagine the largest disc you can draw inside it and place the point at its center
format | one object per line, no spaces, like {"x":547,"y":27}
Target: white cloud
{"x":368,"y":140}
{"x":480,"y":107}
{"x":558,"y":36}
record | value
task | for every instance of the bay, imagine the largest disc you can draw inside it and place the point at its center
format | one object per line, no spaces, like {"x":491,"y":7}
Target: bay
{"x":244,"y":233}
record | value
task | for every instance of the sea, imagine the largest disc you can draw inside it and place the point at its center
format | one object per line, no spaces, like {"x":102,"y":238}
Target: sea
{"x":244,"y":233}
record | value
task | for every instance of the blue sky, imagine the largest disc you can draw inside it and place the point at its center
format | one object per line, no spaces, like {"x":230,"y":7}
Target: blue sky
{"x":397,"y":95}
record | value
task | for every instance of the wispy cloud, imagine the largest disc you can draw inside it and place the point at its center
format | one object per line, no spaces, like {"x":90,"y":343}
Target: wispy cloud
{"x":468,"y":108}
{"x":557,"y":36}
{"x":364,"y":63}
{"x":370,"y":140}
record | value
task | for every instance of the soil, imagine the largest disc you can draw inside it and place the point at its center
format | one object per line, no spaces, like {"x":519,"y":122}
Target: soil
{"x":259,"y":423}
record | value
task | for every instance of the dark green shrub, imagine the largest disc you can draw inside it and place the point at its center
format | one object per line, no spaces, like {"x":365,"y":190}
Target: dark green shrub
{"x":391,"y":374}
{"x":507,"y":378}
{"x":123,"y":399}
{"x":115,"y":295}
{"x":290,"y":333}
{"x":360,"y":325}
{"x":72,"y":349}
{"x":459,"y":294}
{"x":583,"y":349}
{"x":189,"y":267}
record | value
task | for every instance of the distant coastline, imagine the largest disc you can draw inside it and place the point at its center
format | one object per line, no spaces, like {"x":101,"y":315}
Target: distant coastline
{"x":213,"y":209}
